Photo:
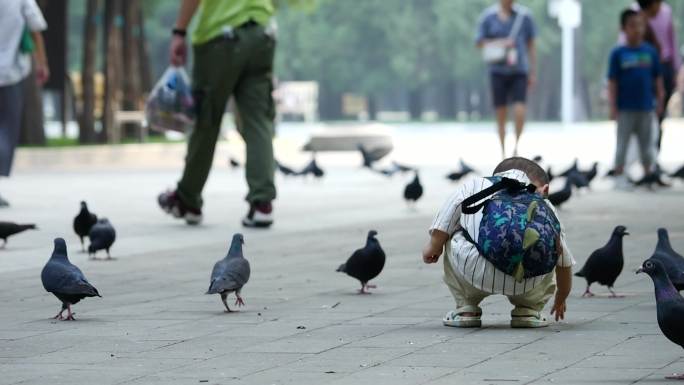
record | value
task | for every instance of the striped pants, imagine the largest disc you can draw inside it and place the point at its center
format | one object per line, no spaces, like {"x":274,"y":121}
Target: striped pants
{"x":468,"y":297}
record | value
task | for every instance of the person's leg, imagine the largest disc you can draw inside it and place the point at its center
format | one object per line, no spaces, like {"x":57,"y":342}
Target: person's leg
{"x":466,"y":295}
{"x":645,"y":123}
{"x":11,"y":106}
{"x":519,"y":99}
{"x":499,"y":99}
{"x":624,"y":132}
{"x":529,"y":306}
{"x":669,"y":83}
{"x":216,"y":69}
{"x":257,"y":114}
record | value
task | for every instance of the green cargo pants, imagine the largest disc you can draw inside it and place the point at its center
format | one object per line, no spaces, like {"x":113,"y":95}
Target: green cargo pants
{"x":241,"y":66}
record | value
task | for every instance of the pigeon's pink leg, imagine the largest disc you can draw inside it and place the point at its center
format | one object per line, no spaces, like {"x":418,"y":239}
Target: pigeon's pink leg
{"x":239,"y":301}
{"x":369,"y":286}
{"x":363,"y":289}
{"x":59,"y":315}
{"x":223,"y":299}
{"x":70,"y":315}
{"x":587,"y":293}
{"x":675,"y":377}
{"x":613,"y":295}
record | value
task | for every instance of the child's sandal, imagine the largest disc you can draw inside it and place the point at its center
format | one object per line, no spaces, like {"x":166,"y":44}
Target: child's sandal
{"x":460,"y":320}
{"x":529,"y":322}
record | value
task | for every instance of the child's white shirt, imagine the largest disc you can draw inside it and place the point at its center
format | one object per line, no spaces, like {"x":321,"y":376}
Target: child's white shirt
{"x":464,"y":256}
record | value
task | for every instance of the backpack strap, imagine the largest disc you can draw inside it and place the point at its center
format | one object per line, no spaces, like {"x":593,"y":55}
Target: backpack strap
{"x":468,"y":206}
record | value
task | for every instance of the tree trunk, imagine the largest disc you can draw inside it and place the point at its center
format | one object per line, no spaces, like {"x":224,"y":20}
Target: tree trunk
{"x":131,"y":63}
{"x":372,"y":107}
{"x":415,"y":103}
{"x":87,"y":117}
{"x":111,"y":69}
{"x":143,"y":49}
{"x":32,"y":120}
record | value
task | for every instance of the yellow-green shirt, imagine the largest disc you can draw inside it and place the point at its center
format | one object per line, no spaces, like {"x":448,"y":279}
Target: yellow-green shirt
{"x":216,"y":15}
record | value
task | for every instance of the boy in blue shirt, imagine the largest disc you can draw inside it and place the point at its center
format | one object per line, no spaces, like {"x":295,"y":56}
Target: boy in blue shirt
{"x":634,"y":74}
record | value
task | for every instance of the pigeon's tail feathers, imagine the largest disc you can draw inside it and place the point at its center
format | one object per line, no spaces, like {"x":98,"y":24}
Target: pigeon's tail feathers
{"x":342,"y":268}
{"x":29,"y":226}
{"x":580,"y":273}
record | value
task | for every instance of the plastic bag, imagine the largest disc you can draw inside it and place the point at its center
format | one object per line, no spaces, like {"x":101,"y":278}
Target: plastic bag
{"x":170,"y":105}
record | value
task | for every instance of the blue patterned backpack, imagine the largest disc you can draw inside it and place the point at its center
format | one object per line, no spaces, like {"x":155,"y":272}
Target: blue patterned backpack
{"x":519,"y":233}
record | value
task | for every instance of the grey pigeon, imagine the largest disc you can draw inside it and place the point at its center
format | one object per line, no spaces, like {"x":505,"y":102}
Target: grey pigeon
{"x":572,"y":169}
{"x":370,"y":156}
{"x":669,"y":304}
{"x":678,"y":174}
{"x":8,"y":229}
{"x":365,"y":263}
{"x":414,"y":190}
{"x":537,"y":159}
{"x":65,"y":280}
{"x":672,"y":261}
{"x":102,"y":236}
{"x":287,"y":171}
{"x":604,"y":265}
{"x":231,"y":273}
{"x":313,"y":169}
{"x":558,"y":198}
{"x":83,"y":222}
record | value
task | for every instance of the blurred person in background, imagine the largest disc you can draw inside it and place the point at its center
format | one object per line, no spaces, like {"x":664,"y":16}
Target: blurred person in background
{"x":21,"y":23}
{"x":510,"y":26}
{"x":233,"y":48}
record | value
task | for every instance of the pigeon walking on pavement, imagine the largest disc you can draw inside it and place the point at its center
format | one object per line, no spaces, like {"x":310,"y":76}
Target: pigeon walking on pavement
{"x":669,"y":304}
{"x":365,"y":263}
{"x":102,"y":237}
{"x":558,"y":198}
{"x":285,"y":170}
{"x":313,"y":169}
{"x":413,"y":190}
{"x":7,"y":229}
{"x":672,"y":261}
{"x":83,"y":222}
{"x":65,"y":280}
{"x":231,"y":273}
{"x":604,"y":265}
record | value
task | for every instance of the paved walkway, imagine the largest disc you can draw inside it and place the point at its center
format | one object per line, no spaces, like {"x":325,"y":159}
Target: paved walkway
{"x":303,"y":323}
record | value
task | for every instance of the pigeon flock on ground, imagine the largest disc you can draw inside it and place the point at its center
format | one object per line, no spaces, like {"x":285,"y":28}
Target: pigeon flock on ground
{"x":230,"y":274}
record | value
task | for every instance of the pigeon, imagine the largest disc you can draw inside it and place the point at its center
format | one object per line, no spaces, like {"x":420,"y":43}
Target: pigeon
{"x":537,"y":159}
{"x":578,"y":179}
{"x":652,"y":178}
{"x":8,"y":229}
{"x":604,"y":265}
{"x":365,"y":263}
{"x":370,"y":156}
{"x":313,"y":169}
{"x":550,"y":174}
{"x":611,"y":173}
{"x":457,"y":175}
{"x":465,"y":167}
{"x":402,"y":167}
{"x":678,"y":174}
{"x":231,"y":273}
{"x":287,"y":171}
{"x":672,"y":261}
{"x":590,"y":174}
{"x":65,"y":280}
{"x":570,"y":170}
{"x":102,"y":236}
{"x":413,"y":190}
{"x":669,"y":304}
{"x":233,"y":162}
{"x":83,"y":222}
{"x":558,"y":198}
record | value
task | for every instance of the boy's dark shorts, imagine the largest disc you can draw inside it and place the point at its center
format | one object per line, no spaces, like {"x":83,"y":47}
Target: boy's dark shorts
{"x":508,"y":89}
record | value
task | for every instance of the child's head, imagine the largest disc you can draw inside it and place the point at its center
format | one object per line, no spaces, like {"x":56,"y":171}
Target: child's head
{"x":633,"y":26}
{"x":650,"y":7}
{"x":534,"y":172}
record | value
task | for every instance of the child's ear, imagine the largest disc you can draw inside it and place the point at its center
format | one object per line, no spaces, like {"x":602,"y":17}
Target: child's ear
{"x":545,"y":190}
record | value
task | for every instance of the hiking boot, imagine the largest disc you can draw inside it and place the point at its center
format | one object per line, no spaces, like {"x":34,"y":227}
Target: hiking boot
{"x":260,"y":215}
{"x":172,"y":204}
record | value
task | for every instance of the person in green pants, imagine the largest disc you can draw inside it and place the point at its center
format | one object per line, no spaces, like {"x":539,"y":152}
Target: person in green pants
{"x":233,"y":46}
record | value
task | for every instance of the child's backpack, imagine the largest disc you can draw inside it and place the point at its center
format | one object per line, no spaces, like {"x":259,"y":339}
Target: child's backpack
{"x":519,"y":233}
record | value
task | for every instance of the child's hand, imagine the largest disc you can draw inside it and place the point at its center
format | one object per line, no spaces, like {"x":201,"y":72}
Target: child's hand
{"x":430,"y":254}
{"x":559,"y":308}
